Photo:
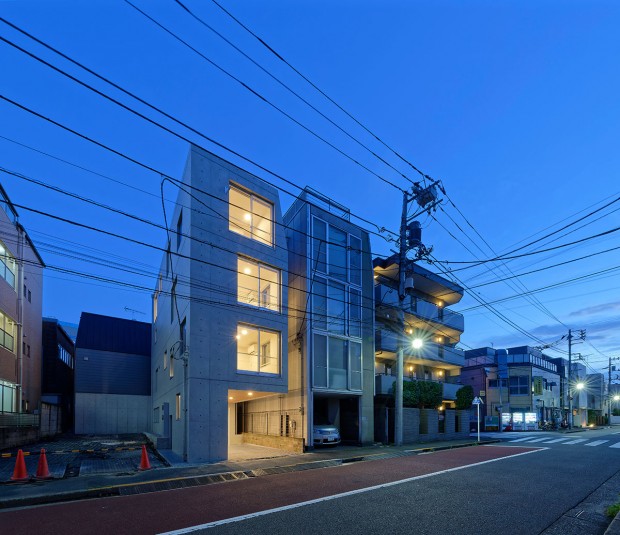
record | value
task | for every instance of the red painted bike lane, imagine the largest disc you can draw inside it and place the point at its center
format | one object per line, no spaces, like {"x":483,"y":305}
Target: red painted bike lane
{"x":159,"y":512}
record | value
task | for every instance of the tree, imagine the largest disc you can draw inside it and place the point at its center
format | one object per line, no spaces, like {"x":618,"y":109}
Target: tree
{"x":464,"y":397}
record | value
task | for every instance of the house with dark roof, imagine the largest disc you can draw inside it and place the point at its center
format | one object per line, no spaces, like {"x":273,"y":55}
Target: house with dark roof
{"x":112,"y":375}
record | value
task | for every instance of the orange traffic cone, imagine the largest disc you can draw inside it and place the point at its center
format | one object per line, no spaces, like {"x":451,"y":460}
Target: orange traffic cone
{"x":20,"y":473}
{"x":145,"y":464}
{"x":43,"y":471}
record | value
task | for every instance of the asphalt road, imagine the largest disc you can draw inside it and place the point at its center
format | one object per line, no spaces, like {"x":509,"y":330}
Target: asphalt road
{"x":515,"y":487}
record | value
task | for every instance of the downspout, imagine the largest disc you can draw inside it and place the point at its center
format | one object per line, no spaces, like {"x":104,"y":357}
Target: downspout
{"x":20,"y":316}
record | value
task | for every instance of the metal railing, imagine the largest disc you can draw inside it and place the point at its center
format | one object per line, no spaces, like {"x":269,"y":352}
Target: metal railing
{"x":16,"y":419}
{"x":273,"y":423}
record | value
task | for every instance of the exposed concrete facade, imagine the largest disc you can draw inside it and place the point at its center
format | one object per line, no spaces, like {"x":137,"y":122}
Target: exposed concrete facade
{"x":202,"y":368}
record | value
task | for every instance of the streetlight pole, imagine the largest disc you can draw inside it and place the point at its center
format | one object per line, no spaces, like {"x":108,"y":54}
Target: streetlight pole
{"x":427,"y":199}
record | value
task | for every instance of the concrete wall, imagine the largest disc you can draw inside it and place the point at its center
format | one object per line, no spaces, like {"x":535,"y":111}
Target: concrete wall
{"x":294,"y":445}
{"x":207,"y":300}
{"x":109,"y":413}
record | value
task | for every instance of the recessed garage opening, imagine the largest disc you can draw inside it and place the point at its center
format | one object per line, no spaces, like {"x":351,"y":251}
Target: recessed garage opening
{"x":340,"y":412}
{"x":259,"y":428}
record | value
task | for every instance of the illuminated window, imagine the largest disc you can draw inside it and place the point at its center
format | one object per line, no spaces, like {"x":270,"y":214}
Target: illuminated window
{"x":258,"y":350}
{"x":8,"y":266}
{"x":250,"y":216}
{"x":7,"y":332}
{"x":258,"y":285}
{"x":178,"y":406}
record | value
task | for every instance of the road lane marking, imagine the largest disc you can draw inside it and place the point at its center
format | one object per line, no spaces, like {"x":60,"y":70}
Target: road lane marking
{"x":241,"y":518}
{"x":555,"y":440}
{"x":616,"y":445}
{"x":576,"y":441}
{"x":596,"y":443}
{"x":521,"y":439}
{"x":537,"y":440}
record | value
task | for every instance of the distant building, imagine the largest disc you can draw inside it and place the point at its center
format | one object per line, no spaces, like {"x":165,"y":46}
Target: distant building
{"x":520,"y":383}
{"x":57,"y":381}
{"x":112,"y":379}
{"x":21,"y":294}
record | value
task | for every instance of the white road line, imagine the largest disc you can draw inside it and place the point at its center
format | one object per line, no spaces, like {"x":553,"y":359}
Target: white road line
{"x":555,"y":440}
{"x":537,"y":439}
{"x":337,"y":496}
{"x":596,"y":443}
{"x":576,"y":441}
{"x":521,"y":439}
{"x":617,"y":445}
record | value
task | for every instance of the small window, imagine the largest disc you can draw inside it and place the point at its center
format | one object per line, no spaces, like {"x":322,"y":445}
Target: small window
{"x":29,"y":296}
{"x":178,"y":406}
{"x":173,"y":298}
{"x":156,"y":415}
{"x":28,"y":352}
{"x":179,"y":229}
{"x":183,"y":334}
{"x":165,"y":360}
{"x":24,"y":290}
{"x":171,"y":364}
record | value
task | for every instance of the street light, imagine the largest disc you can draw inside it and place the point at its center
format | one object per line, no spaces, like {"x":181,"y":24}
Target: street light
{"x":417,"y":343}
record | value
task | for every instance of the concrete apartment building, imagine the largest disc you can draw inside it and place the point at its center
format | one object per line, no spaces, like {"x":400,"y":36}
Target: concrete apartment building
{"x":220,"y":325}
{"x":427,"y":319}
{"x":21,"y":293}
{"x":331,"y":319}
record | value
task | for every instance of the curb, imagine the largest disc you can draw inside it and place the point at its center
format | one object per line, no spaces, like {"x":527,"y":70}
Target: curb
{"x":614,"y":527}
{"x":221,"y":477}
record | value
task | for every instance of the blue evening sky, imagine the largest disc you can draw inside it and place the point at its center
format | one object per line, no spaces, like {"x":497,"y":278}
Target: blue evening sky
{"x":513,"y":105}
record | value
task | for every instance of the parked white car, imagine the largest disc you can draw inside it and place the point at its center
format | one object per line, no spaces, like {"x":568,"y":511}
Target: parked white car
{"x":326,"y":434}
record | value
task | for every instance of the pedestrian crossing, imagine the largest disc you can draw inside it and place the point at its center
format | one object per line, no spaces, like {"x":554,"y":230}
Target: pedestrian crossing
{"x":566,"y":441}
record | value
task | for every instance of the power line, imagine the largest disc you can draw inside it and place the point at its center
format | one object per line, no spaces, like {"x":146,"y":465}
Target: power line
{"x":151,"y":121}
{"x":281,"y":58}
{"x":264,"y":99}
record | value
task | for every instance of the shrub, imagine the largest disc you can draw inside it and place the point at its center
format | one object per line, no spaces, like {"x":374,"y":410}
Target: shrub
{"x":464,"y":397}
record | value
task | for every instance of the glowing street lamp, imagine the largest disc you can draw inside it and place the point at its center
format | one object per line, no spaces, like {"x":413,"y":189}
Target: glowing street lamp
{"x":417,"y":343}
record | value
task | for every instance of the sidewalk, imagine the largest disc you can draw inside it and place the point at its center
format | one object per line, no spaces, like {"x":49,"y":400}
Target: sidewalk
{"x":122,"y":478}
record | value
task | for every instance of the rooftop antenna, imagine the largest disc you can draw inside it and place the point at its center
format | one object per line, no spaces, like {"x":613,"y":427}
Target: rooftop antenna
{"x":134,"y":312}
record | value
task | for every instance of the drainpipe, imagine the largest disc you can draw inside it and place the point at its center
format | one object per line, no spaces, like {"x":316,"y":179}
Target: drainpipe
{"x":20,"y":316}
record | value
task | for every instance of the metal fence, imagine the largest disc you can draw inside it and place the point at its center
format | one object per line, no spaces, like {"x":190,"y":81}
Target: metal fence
{"x":273,"y":423}
{"x":16,"y":419}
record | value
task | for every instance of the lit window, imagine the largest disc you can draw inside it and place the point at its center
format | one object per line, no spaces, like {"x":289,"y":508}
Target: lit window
{"x":171,"y":364}
{"x":178,"y":407}
{"x":7,"y":332}
{"x":258,"y":350}
{"x":8,"y":266}
{"x":165,"y":360}
{"x":250,"y":216}
{"x":258,"y":285}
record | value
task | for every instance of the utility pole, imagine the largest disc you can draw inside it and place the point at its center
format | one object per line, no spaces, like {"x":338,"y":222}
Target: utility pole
{"x":609,"y":390}
{"x":581,"y":336}
{"x":426,"y":198}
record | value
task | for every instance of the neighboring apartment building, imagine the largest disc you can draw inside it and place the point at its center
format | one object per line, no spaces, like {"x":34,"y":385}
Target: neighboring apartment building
{"x":220,"y":326}
{"x":428,"y":320}
{"x":331,"y":319}
{"x":21,"y":294}
{"x":520,"y":383}
{"x":112,"y":379}
{"x":57,"y":380}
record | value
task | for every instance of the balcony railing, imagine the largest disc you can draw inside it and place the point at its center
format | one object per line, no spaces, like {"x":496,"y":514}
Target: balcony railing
{"x":386,"y":340}
{"x":15,"y":419}
{"x":386,"y":296}
{"x":383,"y":385}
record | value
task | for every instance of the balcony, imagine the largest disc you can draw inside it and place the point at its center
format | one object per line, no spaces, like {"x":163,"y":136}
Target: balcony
{"x":383,"y":386}
{"x":424,"y":311}
{"x":431,"y":354}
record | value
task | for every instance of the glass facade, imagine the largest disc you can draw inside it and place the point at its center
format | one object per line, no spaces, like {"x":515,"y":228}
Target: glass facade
{"x":336,"y":308}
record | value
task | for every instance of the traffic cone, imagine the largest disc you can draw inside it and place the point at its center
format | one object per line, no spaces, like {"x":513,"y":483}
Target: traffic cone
{"x":20,"y":474}
{"x":145,"y":464}
{"x":43,"y":471}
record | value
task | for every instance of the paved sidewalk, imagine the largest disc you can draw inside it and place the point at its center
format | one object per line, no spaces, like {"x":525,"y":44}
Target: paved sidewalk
{"x":123,"y":478}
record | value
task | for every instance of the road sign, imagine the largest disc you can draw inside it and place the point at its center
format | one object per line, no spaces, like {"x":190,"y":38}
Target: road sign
{"x":477,"y":401}
{"x":482,"y":393}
